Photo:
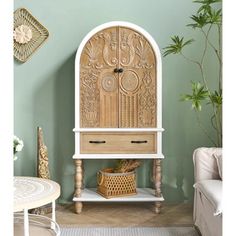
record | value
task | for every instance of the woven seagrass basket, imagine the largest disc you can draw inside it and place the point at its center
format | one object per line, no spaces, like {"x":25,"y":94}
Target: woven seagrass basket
{"x":112,"y":185}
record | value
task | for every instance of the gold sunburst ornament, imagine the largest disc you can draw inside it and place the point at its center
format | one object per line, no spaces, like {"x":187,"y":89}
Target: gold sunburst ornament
{"x":28,"y":34}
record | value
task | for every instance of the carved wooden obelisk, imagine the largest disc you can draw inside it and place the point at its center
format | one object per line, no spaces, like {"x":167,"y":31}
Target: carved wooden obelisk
{"x":42,"y":169}
{"x":42,"y":155}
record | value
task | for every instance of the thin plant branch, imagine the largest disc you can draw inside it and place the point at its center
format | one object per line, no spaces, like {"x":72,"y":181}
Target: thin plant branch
{"x":203,"y":128}
{"x":206,"y":40}
{"x":213,"y":47}
{"x":212,"y":122}
{"x":200,"y":67}
{"x":220,"y":54}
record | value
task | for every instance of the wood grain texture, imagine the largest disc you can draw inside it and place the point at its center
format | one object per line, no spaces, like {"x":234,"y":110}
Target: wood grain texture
{"x":125,"y":99}
{"x":124,"y":214}
{"x":137,"y":84}
{"x":118,"y":142}
{"x":98,"y":82}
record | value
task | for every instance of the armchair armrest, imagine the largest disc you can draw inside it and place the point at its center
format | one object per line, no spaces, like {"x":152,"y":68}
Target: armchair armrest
{"x":205,"y":165}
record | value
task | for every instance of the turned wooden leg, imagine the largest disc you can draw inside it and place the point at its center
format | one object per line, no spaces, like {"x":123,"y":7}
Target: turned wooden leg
{"x":158,"y":177}
{"x":78,"y":207}
{"x":157,"y":182}
{"x":78,"y":184}
{"x":157,"y":207}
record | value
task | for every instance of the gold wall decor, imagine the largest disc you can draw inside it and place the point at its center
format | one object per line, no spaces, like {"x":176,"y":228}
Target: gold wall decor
{"x":28,"y":34}
{"x":42,"y":168}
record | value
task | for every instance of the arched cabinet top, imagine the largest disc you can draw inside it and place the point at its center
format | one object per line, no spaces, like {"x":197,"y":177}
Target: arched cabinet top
{"x":117,"y":91}
{"x":123,"y":24}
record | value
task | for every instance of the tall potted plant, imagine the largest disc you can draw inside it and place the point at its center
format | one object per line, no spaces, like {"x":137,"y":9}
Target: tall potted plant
{"x":207,"y":18}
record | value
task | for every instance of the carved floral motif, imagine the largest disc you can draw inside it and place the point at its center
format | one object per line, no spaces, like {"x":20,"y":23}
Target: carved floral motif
{"x":89,"y":98}
{"x":127,"y":48}
{"x":147,"y":102}
{"x":143,"y":49}
{"x":22,"y":34}
{"x":92,"y":52}
{"x":112,"y":48}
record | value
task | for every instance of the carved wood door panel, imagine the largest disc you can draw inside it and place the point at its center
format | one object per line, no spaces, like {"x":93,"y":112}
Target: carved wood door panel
{"x":111,"y":99}
{"x":137,"y":93}
{"x":98,"y":82}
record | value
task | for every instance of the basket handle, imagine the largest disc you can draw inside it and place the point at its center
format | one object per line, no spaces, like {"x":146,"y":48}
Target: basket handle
{"x":100,"y":178}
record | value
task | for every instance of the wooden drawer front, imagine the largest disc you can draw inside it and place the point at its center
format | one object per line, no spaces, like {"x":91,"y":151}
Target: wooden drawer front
{"x":96,"y":142}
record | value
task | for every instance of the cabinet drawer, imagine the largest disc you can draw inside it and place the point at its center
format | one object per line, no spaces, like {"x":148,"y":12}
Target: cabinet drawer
{"x":129,"y":142}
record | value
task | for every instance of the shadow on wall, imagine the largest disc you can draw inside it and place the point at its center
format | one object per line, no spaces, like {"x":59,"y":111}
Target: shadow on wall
{"x":179,"y":176}
{"x":63,"y":128}
{"x":54,"y":112}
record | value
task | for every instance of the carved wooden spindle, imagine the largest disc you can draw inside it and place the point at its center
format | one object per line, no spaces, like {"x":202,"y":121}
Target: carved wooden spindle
{"x":158,"y":177}
{"x":78,"y":184}
{"x":157,"y":181}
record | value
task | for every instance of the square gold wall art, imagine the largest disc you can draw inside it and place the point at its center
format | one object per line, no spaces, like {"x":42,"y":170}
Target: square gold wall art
{"x":28,"y":34}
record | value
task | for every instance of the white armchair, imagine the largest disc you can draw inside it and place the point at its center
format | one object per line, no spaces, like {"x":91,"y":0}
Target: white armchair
{"x":207,"y":213}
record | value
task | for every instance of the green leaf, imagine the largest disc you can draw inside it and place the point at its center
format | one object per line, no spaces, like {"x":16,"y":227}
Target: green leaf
{"x":215,"y":17}
{"x":206,"y":14}
{"x":199,"y":94}
{"x":200,"y":21}
{"x":208,"y":2}
{"x":177,"y":45}
{"x":204,"y":9}
{"x":216,"y":98}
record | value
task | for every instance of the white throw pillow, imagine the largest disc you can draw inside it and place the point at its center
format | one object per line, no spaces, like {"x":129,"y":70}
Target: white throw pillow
{"x":218,"y":158}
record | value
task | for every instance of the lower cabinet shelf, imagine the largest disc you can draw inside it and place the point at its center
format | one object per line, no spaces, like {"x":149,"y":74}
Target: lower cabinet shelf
{"x":143,"y":195}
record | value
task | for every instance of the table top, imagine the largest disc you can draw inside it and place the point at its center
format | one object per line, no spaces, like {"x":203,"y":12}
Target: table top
{"x":33,"y":192}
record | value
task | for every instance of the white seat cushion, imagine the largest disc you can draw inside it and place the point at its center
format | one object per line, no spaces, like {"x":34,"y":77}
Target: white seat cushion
{"x":212,"y":190}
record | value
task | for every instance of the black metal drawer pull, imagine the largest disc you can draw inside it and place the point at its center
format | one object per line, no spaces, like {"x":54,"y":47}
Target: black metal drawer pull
{"x":97,"y":142}
{"x":143,"y":141}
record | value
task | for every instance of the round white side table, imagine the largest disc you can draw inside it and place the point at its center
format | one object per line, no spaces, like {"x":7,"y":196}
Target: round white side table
{"x":33,"y":192}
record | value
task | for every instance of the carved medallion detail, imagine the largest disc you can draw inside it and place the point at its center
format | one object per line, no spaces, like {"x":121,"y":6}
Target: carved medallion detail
{"x":129,"y":81}
{"x":109,"y":83}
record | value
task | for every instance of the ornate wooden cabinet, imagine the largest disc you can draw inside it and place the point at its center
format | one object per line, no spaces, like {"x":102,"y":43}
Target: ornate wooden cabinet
{"x":118,"y":104}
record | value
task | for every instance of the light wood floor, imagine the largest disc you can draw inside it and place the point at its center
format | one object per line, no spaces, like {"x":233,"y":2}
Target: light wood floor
{"x":125,"y":215}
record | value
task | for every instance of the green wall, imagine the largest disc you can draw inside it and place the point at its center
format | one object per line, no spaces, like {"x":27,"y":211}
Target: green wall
{"x":44,"y":89}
